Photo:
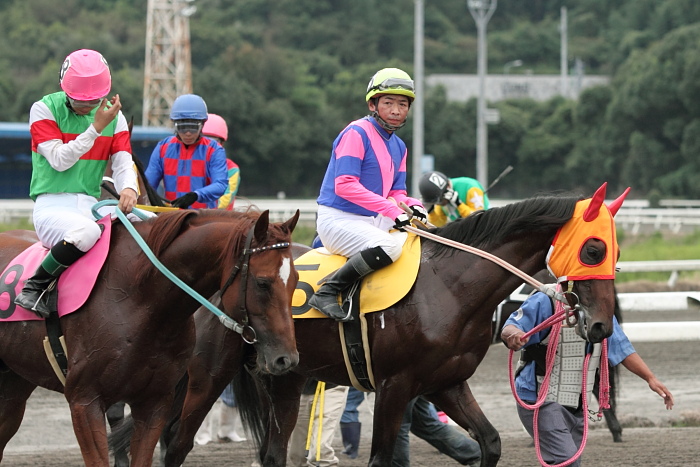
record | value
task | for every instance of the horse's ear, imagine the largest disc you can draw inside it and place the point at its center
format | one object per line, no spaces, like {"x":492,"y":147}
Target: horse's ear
{"x":596,"y":202}
{"x":261,"y":226}
{"x":615,"y":205}
{"x":291,"y":223}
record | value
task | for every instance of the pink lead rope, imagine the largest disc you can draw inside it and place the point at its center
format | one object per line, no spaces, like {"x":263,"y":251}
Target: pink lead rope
{"x":555,"y":321}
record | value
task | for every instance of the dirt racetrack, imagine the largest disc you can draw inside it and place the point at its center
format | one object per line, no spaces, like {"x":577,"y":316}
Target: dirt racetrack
{"x":46,"y":438}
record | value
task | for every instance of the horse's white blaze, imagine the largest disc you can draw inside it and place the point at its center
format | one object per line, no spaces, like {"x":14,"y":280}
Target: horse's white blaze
{"x":285,"y":270}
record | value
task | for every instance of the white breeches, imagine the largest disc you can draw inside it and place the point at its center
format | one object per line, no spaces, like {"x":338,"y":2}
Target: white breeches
{"x":346,"y":234}
{"x":66,"y":216}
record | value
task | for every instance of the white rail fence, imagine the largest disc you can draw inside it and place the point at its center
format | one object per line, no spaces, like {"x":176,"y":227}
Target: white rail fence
{"x":635,"y":218}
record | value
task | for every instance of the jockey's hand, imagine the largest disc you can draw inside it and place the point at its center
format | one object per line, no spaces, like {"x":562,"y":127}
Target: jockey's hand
{"x":402,"y":221}
{"x":420,"y":214}
{"x":185,"y":201}
{"x":452,"y":197}
{"x":127,"y":200}
{"x":106,"y":112}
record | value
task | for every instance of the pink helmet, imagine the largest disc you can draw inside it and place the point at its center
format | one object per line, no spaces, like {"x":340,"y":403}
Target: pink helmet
{"x":85,"y":75}
{"x":215,"y":126}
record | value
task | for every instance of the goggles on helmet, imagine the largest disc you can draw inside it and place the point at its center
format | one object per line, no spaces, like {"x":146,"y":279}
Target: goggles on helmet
{"x":76,"y":104}
{"x":188,"y":126}
{"x":393,"y":83}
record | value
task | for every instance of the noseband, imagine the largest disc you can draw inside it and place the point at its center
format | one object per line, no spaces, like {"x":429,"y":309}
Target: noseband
{"x":245,"y":329}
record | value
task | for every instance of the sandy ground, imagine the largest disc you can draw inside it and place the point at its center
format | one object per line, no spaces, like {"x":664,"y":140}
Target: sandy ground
{"x":46,"y":437}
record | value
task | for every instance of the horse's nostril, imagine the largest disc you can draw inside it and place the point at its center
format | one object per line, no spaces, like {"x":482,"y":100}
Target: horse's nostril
{"x":598,"y":332}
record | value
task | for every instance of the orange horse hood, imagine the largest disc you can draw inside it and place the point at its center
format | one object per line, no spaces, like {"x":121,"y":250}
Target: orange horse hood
{"x":592,"y":219}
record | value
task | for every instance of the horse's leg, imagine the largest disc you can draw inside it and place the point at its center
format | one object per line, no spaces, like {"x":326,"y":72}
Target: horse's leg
{"x":284,"y":393}
{"x":202,"y":393}
{"x":459,"y":404}
{"x":390,"y":403}
{"x":115,"y":414}
{"x":149,"y":419}
{"x":89,"y":425}
{"x":14,"y":392}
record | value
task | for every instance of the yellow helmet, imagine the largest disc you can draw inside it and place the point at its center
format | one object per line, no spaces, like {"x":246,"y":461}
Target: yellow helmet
{"x":390,"y":81}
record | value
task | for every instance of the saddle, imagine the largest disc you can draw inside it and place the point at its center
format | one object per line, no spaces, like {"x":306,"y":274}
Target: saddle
{"x":75,"y":283}
{"x":376,"y":292}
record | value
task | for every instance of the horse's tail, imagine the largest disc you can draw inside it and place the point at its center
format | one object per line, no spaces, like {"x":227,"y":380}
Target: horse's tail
{"x":253,"y":405}
{"x":615,"y":373}
{"x":119,"y":438}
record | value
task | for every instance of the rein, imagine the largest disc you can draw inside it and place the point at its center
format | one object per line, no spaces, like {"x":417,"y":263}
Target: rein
{"x":243,"y":261}
{"x":555,"y":322}
{"x":544,"y":288}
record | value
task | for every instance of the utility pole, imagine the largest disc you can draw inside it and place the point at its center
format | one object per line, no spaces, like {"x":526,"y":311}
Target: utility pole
{"x":168,"y":67}
{"x":481,"y":11}
{"x":564,"y":65}
{"x":418,"y":109}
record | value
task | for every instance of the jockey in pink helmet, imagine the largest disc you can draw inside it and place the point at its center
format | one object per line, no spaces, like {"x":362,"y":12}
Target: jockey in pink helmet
{"x":75,"y":133}
{"x":215,"y":127}
{"x":85,"y":76}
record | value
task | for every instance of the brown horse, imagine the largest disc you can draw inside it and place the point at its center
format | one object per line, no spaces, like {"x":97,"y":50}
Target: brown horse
{"x":133,"y":337}
{"x":429,"y":343}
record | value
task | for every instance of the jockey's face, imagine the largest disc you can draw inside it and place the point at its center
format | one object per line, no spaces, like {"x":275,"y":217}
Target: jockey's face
{"x":392,"y":108}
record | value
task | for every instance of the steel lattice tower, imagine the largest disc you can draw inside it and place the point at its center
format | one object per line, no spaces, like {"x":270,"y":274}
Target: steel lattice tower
{"x":168,"y":69}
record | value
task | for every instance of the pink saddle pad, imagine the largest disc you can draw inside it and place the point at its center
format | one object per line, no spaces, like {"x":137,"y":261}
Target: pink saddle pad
{"x":74,"y":285}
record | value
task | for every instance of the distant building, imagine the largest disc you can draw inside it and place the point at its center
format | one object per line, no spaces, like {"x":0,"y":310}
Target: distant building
{"x":461,"y":88}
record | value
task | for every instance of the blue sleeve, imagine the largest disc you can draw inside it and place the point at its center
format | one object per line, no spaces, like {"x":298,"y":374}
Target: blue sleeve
{"x":217,"y":173}
{"x":154,"y":171}
{"x":534,"y":310}
{"x":619,"y":346}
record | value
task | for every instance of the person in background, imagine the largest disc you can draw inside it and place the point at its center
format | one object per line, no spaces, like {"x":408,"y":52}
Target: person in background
{"x":192,"y":167}
{"x":363,"y":186}
{"x":215,"y":128}
{"x":422,"y":420}
{"x":350,"y":425}
{"x":451,"y":198}
{"x":229,"y":421}
{"x":333,"y":402}
{"x":75,"y":132}
{"x":561,"y":420}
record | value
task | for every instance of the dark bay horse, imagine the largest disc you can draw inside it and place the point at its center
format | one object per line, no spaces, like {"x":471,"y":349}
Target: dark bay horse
{"x":133,"y":337}
{"x":431,"y":341}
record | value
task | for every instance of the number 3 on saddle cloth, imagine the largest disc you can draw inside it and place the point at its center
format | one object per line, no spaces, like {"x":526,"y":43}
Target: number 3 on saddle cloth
{"x":378,"y":291}
{"x":75,"y":284}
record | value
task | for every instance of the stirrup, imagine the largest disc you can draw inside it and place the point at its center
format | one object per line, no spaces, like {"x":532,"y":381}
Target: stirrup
{"x":324,"y":308}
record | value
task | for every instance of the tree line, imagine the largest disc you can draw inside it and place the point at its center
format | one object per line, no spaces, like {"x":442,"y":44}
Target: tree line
{"x":288,"y":75}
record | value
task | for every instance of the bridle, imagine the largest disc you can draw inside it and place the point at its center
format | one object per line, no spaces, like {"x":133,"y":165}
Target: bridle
{"x":243,"y":266}
{"x":245,"y":330}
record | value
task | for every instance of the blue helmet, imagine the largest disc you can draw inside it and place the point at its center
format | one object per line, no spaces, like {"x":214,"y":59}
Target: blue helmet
{"x":189,"y":107}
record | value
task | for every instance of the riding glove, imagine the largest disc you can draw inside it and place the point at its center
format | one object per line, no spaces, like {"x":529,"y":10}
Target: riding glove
{"x":402,"y":221}
{"x":419,"y":213}
{"x":185,"y":201}
{"x":452,"y":197}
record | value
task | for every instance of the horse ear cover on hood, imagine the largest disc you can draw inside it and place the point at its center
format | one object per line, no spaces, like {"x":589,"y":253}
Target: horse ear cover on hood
{"x":592,"y":219}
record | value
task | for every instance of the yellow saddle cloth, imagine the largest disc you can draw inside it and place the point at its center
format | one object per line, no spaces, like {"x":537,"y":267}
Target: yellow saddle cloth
{"x":379,"y":290}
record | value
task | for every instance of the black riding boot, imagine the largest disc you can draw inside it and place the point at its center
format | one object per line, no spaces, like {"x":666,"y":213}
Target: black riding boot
{"x":33,"y":296}
{"x":358,"y":266}
{"x":350,"y":432}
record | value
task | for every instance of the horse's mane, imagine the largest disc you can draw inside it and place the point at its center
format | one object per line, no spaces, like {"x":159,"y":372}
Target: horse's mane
{"x":166,"y":227}
{"x":492,"y":227}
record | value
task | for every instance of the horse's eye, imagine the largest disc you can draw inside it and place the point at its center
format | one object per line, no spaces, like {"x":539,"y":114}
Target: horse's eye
{"x":263,"y":284}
